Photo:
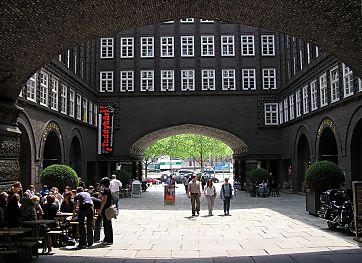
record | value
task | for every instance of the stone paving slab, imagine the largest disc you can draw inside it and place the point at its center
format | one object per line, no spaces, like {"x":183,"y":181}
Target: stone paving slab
{"x":274,"y":229}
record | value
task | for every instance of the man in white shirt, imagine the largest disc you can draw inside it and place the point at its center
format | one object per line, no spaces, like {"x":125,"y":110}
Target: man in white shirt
{"x":115,"y":186}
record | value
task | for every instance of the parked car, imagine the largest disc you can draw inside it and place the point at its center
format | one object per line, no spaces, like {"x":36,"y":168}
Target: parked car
{"x":185,"y":171}
{"x":208,"y":177}
{"x":179,"y":179}
{"x":153,"y":170}
{"x":163,"y":178}
{"x":151,"y":181}
{"x":209,"y":170}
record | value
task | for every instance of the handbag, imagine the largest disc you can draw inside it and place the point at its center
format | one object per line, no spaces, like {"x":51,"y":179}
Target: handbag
{"x":111,"y":212}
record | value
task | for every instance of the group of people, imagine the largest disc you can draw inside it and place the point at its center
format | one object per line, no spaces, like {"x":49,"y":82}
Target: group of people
{"x":17,"y":205}
{"x":194,"y":192}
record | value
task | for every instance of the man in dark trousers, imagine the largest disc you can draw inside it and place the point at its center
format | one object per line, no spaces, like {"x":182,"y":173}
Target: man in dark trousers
{"x":226,"y":194}
{"x":85,"y":210}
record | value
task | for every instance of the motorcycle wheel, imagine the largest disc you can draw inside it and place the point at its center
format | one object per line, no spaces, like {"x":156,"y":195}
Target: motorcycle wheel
{"x":352,"y":228}
{"x":331,"y":225}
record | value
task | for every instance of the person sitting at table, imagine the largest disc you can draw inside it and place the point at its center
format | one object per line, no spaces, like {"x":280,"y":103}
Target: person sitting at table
{"x":50,"y":209}
{"x":45,"y":190}
{"x":12,"y":213}
{"x":67,"y":205}
{"x":57,"y":195}
{"x":15,"y":189}
{"x":3,"y":205}
{"x":38,"y":209}
{"x":27,"y":209}
{"x":31,"y":191}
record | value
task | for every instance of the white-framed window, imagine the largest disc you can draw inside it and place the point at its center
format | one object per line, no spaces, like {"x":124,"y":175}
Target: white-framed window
{"x":126,"y":81}
{"x":359,"y":84}
{"x":301,"y":59}
{"x":106,"y":48}
{"x":187,"y":20}
{"x":31,"y":88}
{"x":247,"y":45}
{"x":334,"y":77}
{"x":206,"y":21}
{"x":85,"y":110}
{"x":227,"y":46}
{"x":347,"y":81}
{"x":269,"y":79}
{"x":95,"y":107}
{"x":281,"y":115}
{"x":248,"y":79}
{"x":207,"y":46}
{"x":298,"y":103}
{"x":291,"y":107}
{"x":106,"y":81}
{"x":305,"y":100}
{"x":323,"y":90}
{"x":228,"y":79}
{"x":309,"y":55}
{"x":68,"y":58}
{"x":90,"y":113}
{"x":187,"y":80}
{"x":21,"y":93}
{"x":316,"y":52}
{"x":44,"y":82}
{"x":166,"y":47}
{"x":127,"y":47}
{"x":79,"y":107}
{"x":167,"y":80}
{"x":147,"y":47}
{"x":54,"y":94}
{"x":187,"y":46}
{"x":271,"y":113}
{"x":147,"y":80}
{"x":267,"y":45}
{"x":64,"y":99}
{"x":313,"y":95}
{"x":208,"y":79}
{"x":286,"y":110}
{"x":71,"y":102}
{"x":169,"y":22}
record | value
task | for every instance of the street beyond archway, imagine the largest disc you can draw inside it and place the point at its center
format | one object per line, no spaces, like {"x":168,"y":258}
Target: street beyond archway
{"x":274,"y":229}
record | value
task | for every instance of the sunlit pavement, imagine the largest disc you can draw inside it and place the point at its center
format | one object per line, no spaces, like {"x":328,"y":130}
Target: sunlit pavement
{"x":274,"y":229}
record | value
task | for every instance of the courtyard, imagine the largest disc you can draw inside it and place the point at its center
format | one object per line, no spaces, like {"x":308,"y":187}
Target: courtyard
{"x":273,"y":229}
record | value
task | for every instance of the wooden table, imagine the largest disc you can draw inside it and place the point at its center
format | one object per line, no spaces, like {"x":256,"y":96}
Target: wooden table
{"x":9,"y":233}
{"x":35,"y":225}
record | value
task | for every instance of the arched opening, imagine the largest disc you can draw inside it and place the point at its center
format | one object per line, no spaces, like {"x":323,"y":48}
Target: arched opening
{"x":303,"y":159}
{"x":328,"y":146}
{"x":356,"y":153}
{"x":75,"y":156}
{"x":25,"y":157}
{"x":52,"y":152}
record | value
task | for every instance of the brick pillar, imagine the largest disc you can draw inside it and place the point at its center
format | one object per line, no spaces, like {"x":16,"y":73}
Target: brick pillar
{"x":9,"y":145}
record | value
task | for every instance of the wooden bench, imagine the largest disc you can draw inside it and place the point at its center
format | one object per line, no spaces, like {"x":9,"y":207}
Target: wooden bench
{"x":5,"y":254}
{"x":48,"y":239}
{"x":27,"y":249}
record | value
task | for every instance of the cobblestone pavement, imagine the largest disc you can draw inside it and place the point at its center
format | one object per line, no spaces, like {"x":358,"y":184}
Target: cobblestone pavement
{"x":274,"y":229}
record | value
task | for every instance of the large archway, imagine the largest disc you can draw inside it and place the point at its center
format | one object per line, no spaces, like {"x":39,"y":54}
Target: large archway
{"x":303,"y":159}
{"x":75,"y":156}
{"x":335,"y":26}
{"x":25,"y":158}
{"x":52,"y":153}
{"x":356,"y":153}
{"x":328,"y":146}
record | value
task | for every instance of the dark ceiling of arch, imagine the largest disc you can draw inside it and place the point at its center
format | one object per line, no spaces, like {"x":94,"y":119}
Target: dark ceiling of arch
{"x":34,"y":32}
{"x":238,"y":146}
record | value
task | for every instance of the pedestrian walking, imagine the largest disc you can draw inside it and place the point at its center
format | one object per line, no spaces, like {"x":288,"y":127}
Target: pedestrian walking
{"x":194,"y":194}
{"x":85,"y":211}
{"x":106,"y":203}
{"x":226,"y":195}
{"x":115,"y":186}
{"x":186,"y":183}
{"x":210,"y":193}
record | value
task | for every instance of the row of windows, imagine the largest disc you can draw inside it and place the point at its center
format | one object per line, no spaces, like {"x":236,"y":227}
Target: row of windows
{"x":190,"y":20}
{"x":62,"y":98}
{"x":187,"y":46}
{"x":306,"y":99}
{"x":147,"y":80}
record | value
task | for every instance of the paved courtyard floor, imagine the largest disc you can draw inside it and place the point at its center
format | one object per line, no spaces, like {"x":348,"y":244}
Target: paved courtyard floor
{"x":274,"y":229}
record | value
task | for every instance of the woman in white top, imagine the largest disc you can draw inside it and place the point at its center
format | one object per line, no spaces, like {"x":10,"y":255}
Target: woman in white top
{"x":210,"y":193}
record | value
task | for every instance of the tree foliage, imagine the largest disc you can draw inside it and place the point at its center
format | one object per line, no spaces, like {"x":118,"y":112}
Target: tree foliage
{"x":197,"y":147}
{"x":60,"y":176}
{"x":324,"y":175}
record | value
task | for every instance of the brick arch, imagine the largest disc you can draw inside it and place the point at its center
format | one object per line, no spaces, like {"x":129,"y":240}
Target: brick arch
{"x":32,"y":33}
{"x":238,"y":146}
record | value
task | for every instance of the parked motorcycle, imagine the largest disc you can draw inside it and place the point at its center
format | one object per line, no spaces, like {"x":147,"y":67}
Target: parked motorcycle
{"x":337,"y":209}
{"x":144,"y":186}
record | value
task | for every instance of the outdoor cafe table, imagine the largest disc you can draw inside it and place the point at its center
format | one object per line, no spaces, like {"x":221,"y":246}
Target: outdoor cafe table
{"x":62,"y":216}
{"x":9,"y":233}
{"x":35,"y":224}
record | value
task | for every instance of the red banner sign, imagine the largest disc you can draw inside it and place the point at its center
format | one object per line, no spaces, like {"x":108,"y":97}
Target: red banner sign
{"x":105,"y":129}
